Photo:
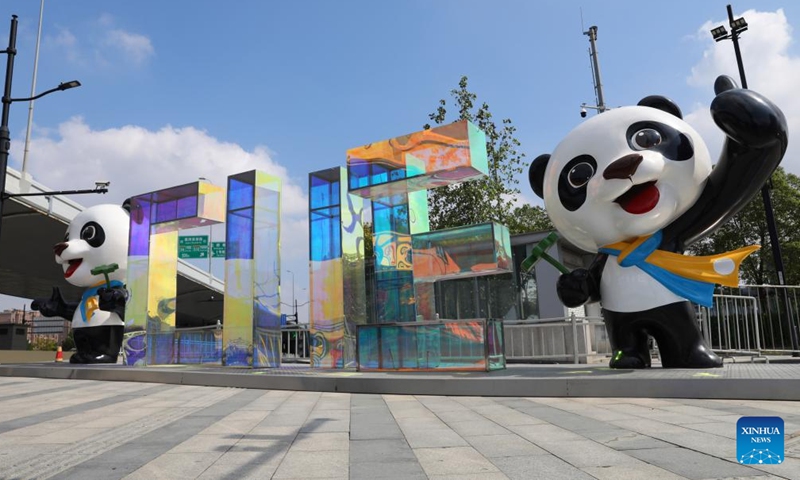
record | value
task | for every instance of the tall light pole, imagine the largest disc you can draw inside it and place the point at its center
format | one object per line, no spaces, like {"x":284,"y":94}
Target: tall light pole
{"x":294,"y":301}
{"x":5,"y":137}
{"x":738,"y":26}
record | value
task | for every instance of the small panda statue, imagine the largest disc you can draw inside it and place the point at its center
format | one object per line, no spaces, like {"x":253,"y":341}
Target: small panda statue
{"x":636,"y":186}
{"x":96,"y":238}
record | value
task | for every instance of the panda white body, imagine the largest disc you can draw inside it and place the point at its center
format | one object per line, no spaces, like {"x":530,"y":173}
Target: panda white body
{"x":95,"y":237}
{"x":641,"y":174}
{"x":629,"y":289}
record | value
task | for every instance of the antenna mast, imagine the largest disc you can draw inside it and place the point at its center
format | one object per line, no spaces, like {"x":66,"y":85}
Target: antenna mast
{"x":598,"y":84}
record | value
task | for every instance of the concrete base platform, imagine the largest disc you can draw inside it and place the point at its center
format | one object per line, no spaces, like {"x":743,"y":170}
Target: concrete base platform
{"x":747,"y":381}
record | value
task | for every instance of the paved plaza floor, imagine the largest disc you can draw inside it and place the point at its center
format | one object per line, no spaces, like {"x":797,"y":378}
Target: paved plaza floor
{"x":88,"y":429}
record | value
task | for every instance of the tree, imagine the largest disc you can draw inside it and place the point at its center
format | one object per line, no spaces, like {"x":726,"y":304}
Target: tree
{"x":69,"y":342}
{"x":491,"y":198}
{"x":749,"y":227}
{"x":530,"y":218}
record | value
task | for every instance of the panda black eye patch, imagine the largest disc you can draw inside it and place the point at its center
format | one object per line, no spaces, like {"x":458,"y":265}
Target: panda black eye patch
{"x":573,"y":180}
{"x":659,"y":137}
{"x":93,"y":234}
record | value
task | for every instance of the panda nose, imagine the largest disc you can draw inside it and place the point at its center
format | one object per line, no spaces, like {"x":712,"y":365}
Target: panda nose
{"x":624,"y":167}
{"x":59,"y":248}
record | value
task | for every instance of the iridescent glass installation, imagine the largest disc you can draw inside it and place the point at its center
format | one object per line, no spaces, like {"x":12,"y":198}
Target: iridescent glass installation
{"x":418,"y":161}
{"x":252,"y":313}
{"x":336,"y":268}
{"x":461,"y":252}
{"x":156,"y":218}
{"x":431,"y":345}
{"x":395,"y":220}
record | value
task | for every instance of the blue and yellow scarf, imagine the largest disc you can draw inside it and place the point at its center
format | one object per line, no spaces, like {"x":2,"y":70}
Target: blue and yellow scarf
{"x":689,"y":277}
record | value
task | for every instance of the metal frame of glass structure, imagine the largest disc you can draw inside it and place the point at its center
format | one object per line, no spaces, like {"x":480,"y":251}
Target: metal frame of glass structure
{"x":252,"y":313}
{"x":156,"y":218}
{"x":336,"y":267}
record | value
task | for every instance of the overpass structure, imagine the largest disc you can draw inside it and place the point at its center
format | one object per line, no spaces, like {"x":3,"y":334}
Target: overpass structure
{"x":32,"y":225}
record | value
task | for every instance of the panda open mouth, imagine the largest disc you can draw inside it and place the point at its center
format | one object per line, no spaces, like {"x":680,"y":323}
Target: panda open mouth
{"x":640,"y":198}
{"x":73,"y":265}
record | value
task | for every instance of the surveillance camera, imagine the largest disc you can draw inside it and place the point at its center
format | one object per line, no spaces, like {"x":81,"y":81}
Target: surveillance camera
{"x":103,"y":184}
{"x":583,"y":112}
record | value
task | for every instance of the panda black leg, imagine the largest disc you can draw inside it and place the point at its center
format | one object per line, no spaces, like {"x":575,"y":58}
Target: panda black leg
{"x":628,"y":340}
{"x":83,"y":346}
{"x":680,"y":342}
{"x":98,"y":344}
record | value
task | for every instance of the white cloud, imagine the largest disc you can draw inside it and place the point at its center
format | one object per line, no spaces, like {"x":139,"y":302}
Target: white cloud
{"x":137,"y":160}
{"x":66,"y":41}
{"x":770,"y":69}
{"x":136,"y":47}
{"x":102,"y":44}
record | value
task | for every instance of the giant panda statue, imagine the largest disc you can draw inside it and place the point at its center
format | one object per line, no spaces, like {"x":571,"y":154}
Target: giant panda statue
{"x":96,"y":237}
{"x":636,"y":185}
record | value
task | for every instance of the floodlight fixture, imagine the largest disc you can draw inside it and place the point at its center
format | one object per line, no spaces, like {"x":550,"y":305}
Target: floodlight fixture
{"x":719,"y":33}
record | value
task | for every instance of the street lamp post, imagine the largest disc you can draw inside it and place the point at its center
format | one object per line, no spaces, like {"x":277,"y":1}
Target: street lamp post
{"x":294,"y":301}
{"x":738,"y":26}
{"x":5,"y":136}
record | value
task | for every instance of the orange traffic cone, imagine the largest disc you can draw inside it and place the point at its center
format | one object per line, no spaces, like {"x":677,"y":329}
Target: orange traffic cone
{"x":59,"y":355}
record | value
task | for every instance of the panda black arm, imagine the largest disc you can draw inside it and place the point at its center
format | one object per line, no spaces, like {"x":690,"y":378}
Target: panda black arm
{"x":581,"y":285}
{"x":55,"y":306}
{"x":756,"y":140}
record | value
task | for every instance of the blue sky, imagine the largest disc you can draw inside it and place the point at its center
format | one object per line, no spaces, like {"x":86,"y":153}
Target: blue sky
{"x":177,"y":90}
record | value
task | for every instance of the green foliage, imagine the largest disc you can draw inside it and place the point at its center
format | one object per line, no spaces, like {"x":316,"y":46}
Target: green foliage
{"x":749,"y":227}
{"x":491,"y":198}
{"x":530,"y":218}
{"x":69,"y":342}
{"x":43,"y":344}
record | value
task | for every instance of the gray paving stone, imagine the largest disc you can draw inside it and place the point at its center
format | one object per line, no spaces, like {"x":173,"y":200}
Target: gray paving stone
{"x":381,"y":450}
{"x":434,"y":438}
{"x":509,"y":445}
{"x":175,"y":466}
{"x":539,"y":467}
{"x":620,"y":439}
{"x":80,"y":408}
{"x":331,"y":463}
{"x":319,"y":441}
{"x":482,"y":427}
{"x":410,"y":470}
{"x":360,"y":431}
{"x":136,"y":453}
{"x":586,"y":453}
{"x":631,"y":472}
{"x":692,"y":464}
{"x":453,"y":461}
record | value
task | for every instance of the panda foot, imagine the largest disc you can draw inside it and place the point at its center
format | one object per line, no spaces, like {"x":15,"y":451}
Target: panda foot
{"x":105,"y":359}
{"x":701,"y":357}
{"x":78,"y":358}
{"x":102,"y":359}
{"x":628,"y":361}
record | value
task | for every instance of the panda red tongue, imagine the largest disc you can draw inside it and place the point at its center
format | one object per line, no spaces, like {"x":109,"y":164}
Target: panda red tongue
{"x":73,"y":265}
{"x":640,"y":198}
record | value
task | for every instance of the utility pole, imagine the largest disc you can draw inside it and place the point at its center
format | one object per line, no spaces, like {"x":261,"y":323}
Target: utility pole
{"x":596,"y":81}
{"x":738,"y":26}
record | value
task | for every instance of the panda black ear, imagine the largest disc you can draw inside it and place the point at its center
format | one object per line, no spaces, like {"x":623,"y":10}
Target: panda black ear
{"x":127,"y":205}
{"x":536,"y":174}
{"x":661,"y":103}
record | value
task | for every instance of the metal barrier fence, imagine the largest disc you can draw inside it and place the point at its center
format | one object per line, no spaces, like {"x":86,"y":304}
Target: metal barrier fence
{"x":753,"y":319}
{"x":295,"y":343}
{"x":748,"y":320}
{"x":198,"y":345}
{"x":567,"y":339}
